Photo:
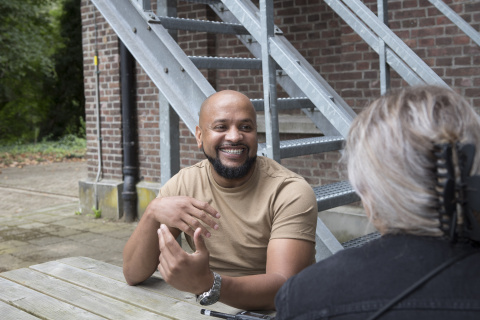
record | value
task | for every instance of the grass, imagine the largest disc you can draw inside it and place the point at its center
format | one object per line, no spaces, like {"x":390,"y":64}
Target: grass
{"x":68,"y":148}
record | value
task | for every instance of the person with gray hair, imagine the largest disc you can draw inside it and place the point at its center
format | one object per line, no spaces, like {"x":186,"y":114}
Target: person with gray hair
{"x":411,"y":158}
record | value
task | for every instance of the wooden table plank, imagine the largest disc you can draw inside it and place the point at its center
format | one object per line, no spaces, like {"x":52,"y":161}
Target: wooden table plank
{"x":138,"y":296}
{"x":9,"y":312}
{"x":154,"y":283}
{"x":40,"y":304}
{"x":107,"y":270}
{"x":80,"y":297}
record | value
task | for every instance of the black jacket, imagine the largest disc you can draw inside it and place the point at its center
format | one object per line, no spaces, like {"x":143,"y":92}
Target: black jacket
{"x":354,"y":283}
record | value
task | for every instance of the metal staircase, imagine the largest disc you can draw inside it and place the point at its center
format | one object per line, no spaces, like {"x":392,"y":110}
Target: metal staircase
{"x":183,"y":86}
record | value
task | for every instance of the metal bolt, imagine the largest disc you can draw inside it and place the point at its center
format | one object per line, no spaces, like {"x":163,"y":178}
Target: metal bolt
{"x":149,"y":28}
{"x":165,"y":70}
{"x":134,"y":30}
{"x":182,"y":69}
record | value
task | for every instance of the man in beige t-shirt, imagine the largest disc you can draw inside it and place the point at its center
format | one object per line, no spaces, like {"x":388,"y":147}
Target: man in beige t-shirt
{"x":252,"y":221}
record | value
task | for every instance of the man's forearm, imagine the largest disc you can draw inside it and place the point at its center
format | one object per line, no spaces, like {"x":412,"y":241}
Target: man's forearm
{"x":285,"y":258}
{"x":141,"y":252}
{"x":256,"y":292}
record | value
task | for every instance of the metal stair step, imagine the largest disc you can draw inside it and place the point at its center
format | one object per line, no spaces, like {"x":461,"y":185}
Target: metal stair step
{"x":360,"y":241}
{"x":334,"y":195}
{"x":198,"y":25}
{"x":203,"y":1}
{"x":226,"y":63}
{"x":285,"y":103}
{"x":300,"y":147}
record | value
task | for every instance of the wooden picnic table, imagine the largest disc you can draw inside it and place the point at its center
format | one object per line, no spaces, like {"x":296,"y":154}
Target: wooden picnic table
{"x":84,"y":288}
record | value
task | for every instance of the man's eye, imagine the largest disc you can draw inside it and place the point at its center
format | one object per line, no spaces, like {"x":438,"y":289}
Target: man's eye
{"x":219,"y":127}
{"x":246,"y":128}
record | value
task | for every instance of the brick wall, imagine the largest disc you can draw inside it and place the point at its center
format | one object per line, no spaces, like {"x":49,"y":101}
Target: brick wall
{"x":328,"y":43}
{"x":98,"y":36}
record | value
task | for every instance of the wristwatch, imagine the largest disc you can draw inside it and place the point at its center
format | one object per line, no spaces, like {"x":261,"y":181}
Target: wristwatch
{"x":212,"y":295}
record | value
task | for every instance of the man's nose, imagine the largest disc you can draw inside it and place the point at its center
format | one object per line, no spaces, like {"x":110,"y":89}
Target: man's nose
{"x":234,"y":135}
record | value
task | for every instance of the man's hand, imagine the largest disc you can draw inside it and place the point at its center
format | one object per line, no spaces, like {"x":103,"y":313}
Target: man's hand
{"x":184,"y":213}
{"x":180,"y":213}
{"x":183,"y":271}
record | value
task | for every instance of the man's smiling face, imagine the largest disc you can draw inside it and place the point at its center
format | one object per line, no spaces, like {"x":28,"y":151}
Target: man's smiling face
{"x":227,"y":134}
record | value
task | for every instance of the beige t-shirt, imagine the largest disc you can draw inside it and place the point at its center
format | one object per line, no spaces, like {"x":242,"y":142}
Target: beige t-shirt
{"x":274,"y":203}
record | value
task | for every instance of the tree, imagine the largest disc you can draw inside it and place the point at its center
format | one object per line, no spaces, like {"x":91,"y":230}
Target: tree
{"x":41,"y":80}
{"x":68,"y":93}
{"x":27,"y":42}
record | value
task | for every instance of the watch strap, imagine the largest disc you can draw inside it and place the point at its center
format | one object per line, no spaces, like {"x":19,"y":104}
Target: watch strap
{"x":212,"y":295}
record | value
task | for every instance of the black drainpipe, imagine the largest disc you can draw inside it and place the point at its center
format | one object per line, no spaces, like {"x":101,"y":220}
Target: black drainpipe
{"x":129,"y":124}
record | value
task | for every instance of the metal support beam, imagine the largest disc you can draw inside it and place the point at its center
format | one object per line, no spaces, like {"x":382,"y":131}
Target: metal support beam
{"x":169,"y":140}
{"x":398,"y":47}
{"x":382,"y":8}
{"x":282,"y":77}
{"x":144,"y":5}
{"x":169,"y":120}
{"x":269,"y":82}
{"x":338,"y":113}
{"x":457,"y":20}
{"x":325,"y":242}
{"x":173,"y":73}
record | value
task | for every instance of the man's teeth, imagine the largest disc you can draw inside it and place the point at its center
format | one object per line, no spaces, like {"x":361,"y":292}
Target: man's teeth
{"x":233,"y":151}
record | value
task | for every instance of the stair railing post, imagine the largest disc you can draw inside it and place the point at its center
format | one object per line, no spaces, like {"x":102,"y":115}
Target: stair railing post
{"x":169,"y":119}
{"x":382,"y":8}
{"x":269,"y":82}
{"x":144,"y":4}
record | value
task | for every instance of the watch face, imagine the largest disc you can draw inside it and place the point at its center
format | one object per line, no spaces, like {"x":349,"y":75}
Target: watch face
{"x":209,"y":298}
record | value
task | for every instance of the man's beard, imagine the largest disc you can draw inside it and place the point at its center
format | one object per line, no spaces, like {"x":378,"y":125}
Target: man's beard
{"x":231,"y":172}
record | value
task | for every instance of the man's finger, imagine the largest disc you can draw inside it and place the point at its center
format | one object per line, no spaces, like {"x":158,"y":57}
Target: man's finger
{"x":162,"y":269}
{"x":202,"y":216}
{"x":186,"y":228}
{"x":168,"y":245}
{"x":161,"y":243}
{"x":199,"y":242}
{"x":204,"y":206}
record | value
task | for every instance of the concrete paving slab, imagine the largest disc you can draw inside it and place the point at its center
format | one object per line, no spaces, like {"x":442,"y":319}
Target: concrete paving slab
{"x":55,"y":178}
{"x":9,"y":262}
{"x":12,"y":244}
{"x":19,"y":201}
{"x":38,"y":220}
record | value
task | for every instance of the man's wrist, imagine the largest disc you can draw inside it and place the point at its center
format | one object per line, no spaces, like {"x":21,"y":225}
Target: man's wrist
{"x":211,"y":295}
{"x":206,"y":284}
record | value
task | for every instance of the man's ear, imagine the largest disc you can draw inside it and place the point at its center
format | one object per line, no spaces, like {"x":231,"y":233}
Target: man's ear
{"x":198,"y":136}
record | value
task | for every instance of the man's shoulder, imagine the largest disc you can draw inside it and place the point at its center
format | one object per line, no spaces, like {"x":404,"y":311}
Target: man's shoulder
{"x":188,"y":173}
{"x":195,"y":168}
{"x":273,"y":169}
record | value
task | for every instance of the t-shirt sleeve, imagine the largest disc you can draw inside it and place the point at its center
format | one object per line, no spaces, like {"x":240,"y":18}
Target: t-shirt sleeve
{"x":295,"y":211}
{"x":170,"y":188}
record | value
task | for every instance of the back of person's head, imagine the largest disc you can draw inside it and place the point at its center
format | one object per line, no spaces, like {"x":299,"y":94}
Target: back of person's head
{"x":390,"y":153}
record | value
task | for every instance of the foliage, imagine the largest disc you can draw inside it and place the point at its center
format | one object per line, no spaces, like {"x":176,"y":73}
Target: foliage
{"x":69,"y":147}
{"x":41,"y":85}
{"x":26,"y":43}
{"x":97,"y":213}
{"x":66,"y":115}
